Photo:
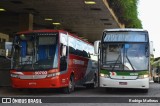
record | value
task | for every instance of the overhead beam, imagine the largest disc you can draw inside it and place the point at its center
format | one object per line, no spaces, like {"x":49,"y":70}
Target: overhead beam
{"x":113,"y":14}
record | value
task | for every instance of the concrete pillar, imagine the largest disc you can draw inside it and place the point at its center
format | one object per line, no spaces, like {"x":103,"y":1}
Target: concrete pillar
{"x":25,"y":22}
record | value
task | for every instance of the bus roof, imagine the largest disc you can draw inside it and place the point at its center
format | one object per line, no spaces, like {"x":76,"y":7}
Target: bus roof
{"x":53,"y":30}
{"x":42,"y":30}
{"x":126,"y":29}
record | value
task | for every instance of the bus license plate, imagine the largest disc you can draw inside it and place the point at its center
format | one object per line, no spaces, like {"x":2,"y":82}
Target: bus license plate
{"x":122,"y":83}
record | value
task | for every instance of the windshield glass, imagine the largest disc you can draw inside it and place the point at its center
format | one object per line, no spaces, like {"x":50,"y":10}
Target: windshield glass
{"x":136,"y":55}
{"x":125,"y":56}
{"x":35,"y":52}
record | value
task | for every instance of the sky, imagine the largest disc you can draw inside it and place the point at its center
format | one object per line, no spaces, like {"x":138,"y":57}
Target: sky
{"x":148,"y":13}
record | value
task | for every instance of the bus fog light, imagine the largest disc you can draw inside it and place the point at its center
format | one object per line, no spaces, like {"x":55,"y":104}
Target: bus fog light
{"x":104,"y":75}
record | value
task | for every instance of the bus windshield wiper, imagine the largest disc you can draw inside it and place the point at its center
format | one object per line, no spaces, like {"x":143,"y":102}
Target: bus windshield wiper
{"x":116,"y":62}
{"x":130,"y":62}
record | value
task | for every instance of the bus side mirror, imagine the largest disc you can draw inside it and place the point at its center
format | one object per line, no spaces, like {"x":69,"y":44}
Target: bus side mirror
{"x":147,"y":51}
{"x":96,"y":46}
{"x":151,"y":48}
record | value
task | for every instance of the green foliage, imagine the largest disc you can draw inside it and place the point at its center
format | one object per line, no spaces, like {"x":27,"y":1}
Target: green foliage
{"x":126,"y":11}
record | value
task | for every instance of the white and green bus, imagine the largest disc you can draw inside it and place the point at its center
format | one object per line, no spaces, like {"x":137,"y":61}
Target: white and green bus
{"x":124,"y":56}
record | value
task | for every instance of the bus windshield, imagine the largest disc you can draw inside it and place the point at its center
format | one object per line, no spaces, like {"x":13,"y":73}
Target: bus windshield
{"x":35,"y":52}
{"x":125,"y":56}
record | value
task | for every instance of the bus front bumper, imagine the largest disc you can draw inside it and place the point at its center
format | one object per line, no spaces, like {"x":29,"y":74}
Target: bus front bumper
{"x":38,"y":83}
{"x":114,"y":83}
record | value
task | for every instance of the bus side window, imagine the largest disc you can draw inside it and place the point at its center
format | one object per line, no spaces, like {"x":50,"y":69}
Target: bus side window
{"x":85,"y":54}
{"x":71,"y":50}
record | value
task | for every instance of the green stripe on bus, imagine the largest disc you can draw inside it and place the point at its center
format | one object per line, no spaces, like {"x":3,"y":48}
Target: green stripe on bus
{"x":125,"y":73}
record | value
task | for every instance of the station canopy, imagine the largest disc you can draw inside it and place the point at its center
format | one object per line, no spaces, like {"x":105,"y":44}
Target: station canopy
{"x":76,"y":16}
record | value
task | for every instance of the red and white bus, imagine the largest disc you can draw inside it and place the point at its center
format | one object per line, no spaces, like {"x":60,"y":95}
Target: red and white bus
{"x":52,"y":59}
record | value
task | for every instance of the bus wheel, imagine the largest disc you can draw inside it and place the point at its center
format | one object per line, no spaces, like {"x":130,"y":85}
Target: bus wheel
{"x":70,"y":87}
{"x":154,"y":80}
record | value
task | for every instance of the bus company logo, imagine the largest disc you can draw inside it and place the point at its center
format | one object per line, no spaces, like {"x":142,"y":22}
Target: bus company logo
{"x":6,"y":100}
{"x":113,"y":73}
{"x":79,"y":62}
{"x":40,"y":73}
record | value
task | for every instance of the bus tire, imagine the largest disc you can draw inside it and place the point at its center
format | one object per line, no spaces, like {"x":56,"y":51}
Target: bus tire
{"x":154,"y":80}
{"x":70,"y":87}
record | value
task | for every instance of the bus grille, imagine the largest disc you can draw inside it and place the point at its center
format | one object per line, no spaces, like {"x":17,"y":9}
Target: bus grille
{"x":32,"y":76}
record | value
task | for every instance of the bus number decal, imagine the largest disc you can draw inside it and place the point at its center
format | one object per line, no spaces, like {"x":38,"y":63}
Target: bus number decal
{"x":40,"y":72}
{"x":134,"y":74}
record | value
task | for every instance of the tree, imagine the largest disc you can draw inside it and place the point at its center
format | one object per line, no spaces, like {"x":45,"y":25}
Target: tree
{"x":126,"y":11}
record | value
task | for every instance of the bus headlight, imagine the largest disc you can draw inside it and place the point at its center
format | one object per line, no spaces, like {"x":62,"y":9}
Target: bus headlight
{"x":104,"y":75}
{"x":143,"y":76}
{"x":15,"y":75}
{"x":53,"y":74}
